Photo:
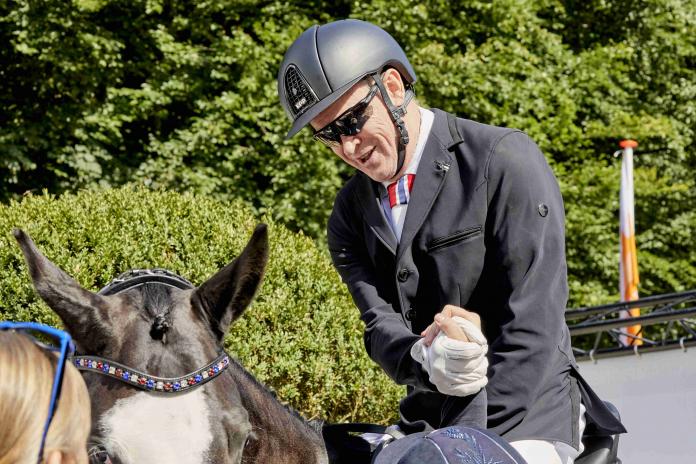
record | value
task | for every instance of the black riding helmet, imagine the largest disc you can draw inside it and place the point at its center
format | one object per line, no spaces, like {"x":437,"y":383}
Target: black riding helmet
{"x":328,"y":60}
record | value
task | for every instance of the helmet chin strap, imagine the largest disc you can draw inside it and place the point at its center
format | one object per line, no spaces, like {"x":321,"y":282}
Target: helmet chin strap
{"x":397,"y":113}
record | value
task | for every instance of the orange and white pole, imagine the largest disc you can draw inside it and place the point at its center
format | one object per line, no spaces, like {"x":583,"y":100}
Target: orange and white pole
{"x":628,"y":259}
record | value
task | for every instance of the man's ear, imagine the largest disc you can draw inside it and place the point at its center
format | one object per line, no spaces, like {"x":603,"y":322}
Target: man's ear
{"x":394,"y":85}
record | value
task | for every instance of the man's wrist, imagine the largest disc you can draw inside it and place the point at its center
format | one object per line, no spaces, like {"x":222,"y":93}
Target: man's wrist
{"x":455,"y":367}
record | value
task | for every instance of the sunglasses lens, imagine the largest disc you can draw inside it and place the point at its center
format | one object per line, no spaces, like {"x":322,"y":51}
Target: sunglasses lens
{"x":349,"y":123}
{"x":358,"y":119}
{"x":328,"y":136}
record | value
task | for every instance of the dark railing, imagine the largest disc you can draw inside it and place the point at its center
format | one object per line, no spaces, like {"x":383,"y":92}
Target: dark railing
{"x":667,"y":321}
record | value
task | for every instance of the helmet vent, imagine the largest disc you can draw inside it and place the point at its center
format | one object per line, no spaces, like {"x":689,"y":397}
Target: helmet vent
{"x":299,"y":94}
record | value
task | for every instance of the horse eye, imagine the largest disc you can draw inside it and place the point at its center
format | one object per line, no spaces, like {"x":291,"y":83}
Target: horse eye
{"x":251,"y":437}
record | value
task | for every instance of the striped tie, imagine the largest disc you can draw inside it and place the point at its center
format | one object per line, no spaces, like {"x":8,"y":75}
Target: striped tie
{"x":400,"y":191}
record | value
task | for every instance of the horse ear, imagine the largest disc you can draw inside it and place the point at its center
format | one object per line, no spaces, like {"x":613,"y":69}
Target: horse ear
{"x":76,"y":306}
{"x":225,"y":296}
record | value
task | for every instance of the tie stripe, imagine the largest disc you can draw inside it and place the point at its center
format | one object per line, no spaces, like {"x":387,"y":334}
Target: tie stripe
{"x":400,"y":191}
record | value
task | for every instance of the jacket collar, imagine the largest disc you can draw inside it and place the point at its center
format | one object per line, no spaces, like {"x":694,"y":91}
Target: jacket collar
{"x":430,"y":177}
{"x":371,"y":204}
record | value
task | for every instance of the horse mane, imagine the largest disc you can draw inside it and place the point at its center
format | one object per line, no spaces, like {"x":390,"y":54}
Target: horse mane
{"x":314,"y":426}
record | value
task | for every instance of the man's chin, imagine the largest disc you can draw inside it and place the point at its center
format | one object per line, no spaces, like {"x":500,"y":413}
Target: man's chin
{"x":380,"y":177}
{"x":393,"y":177}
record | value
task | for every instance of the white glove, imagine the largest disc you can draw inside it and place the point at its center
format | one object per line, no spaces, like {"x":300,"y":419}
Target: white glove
{"x":456,"y":368}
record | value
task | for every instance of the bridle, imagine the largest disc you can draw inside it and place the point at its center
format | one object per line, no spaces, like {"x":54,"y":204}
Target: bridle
{"x":134,"y":377}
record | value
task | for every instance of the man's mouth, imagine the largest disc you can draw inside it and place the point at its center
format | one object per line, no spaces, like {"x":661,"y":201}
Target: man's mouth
{"x":364,"y":158}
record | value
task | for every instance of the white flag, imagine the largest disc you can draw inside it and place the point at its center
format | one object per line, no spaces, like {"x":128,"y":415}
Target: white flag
{"x":628,"y":259}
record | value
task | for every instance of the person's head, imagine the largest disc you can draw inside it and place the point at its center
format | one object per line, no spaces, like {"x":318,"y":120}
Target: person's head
{"x":353,"y":83}
{"x":27,"y":373}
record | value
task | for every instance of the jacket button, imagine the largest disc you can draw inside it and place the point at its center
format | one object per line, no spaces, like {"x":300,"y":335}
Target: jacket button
{"x":403,"y":275}
{"x":410,"y":314}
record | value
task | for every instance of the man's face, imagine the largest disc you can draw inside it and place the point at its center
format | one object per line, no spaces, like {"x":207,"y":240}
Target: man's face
{"x":374,"y":150}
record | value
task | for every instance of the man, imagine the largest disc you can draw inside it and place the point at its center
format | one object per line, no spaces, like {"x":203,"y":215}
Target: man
{"x":445,"y":214}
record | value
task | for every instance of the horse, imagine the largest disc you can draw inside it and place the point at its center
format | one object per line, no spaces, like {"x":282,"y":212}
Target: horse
{"x":162,"y":389}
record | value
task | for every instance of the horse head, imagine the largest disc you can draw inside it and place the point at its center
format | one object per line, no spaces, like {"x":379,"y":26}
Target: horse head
{"x":151,"y":348}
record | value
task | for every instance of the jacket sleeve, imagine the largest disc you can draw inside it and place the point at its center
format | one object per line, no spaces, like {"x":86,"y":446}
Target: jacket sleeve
{"x":387,"y":339}
{"x":525,"y":233}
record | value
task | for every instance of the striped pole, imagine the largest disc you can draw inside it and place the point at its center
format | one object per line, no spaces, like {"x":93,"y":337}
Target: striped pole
{"x":628,"y":258}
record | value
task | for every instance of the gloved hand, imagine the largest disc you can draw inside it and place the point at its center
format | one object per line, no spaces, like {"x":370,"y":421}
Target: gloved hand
{"x":455,"y":367}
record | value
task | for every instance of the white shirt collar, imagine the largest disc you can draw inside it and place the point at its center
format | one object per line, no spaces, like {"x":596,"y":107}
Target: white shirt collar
{"x":426,"y":123}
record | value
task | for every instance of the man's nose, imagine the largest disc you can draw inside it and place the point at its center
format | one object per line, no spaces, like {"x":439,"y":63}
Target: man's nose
{"x":349,"y":144}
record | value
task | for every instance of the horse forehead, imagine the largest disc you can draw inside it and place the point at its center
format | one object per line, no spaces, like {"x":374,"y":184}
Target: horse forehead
{"x":155,"y":296}
{"x":150,"y":428}
{"x":142,"y":304}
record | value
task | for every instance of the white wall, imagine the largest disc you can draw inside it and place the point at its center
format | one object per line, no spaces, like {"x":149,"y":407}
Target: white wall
{"x":656,"y":397}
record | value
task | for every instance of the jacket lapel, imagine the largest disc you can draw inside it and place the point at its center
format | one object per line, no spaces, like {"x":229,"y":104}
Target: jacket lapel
{"x":430,"y":178}
{"x":368,"y":196}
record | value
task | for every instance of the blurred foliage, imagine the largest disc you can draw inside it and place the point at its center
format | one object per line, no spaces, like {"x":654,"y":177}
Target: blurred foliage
{"x":301,"y":334}
{"x":182,"y":95}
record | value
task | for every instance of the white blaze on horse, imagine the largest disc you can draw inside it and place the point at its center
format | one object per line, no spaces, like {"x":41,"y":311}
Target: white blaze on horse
{"x":162,"y":388}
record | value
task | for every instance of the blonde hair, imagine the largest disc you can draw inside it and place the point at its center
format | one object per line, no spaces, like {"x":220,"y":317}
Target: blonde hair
{"x":26,"y":380}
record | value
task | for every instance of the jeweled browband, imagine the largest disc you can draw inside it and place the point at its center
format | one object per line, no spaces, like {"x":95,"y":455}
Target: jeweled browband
{"x":147,"y":382}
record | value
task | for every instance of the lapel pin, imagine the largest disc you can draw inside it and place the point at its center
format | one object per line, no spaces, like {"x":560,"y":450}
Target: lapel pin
{"x":442,"y":166}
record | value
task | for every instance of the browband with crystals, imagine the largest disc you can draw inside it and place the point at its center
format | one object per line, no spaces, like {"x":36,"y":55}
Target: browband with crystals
{"x":148,"y":382}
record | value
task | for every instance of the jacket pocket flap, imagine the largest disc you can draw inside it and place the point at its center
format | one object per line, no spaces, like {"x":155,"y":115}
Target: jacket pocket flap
{"x":454,"y":238}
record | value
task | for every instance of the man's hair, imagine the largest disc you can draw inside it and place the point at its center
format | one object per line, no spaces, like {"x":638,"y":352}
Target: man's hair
{"x":26,"y":380}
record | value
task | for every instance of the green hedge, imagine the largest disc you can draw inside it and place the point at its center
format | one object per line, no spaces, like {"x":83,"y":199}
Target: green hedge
{"x":302,"y":334}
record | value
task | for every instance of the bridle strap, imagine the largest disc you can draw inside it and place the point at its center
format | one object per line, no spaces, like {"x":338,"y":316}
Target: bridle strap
{"x":134,"y":377}
{"x":136,"y":277}
{"x":144,"y":381}
{"x":396,"y":113}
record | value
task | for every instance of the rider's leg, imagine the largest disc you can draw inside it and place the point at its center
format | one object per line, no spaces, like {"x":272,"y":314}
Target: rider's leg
{"x":537,"y":451}
{"x":550,"y":452}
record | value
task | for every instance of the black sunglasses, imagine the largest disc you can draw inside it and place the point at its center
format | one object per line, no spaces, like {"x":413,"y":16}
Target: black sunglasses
{"x":350,"y":122}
